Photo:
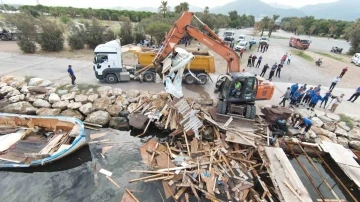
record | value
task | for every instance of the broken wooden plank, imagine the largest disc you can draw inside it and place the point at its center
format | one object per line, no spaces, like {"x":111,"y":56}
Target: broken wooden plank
{"x":36,"y":155}
{"x":52,"y":143}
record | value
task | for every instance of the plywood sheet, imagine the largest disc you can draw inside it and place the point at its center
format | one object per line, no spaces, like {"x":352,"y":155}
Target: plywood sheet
{"x":278,"y":170}
{"x":7,"y":140}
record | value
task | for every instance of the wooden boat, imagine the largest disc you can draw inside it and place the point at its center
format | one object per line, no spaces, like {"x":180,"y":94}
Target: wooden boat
{"x":27,"y":141}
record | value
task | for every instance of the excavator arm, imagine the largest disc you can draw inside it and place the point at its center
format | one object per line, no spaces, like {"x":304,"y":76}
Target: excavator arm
{"x":182,"y":27}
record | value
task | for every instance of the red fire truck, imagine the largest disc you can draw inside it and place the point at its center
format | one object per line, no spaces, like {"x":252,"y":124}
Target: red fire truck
{"x":299,"y":43}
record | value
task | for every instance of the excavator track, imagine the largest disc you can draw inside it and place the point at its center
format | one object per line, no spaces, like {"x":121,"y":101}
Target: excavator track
{"x":238,"y":121}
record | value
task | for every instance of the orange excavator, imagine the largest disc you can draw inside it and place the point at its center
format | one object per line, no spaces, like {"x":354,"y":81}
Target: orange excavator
{"x":238,"y":89}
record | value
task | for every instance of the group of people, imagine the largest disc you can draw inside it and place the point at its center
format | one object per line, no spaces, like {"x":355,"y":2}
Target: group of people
{"x":276,"y":68}
{"x":251,"y":61}
{"x":310,"y":97}
{"x":263,"y":47}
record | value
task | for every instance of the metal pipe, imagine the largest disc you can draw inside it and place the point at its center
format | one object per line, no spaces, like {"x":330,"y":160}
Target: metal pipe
{"x":317,"y":170}
{"x":306,"y":172}
{"x":336,"y":177}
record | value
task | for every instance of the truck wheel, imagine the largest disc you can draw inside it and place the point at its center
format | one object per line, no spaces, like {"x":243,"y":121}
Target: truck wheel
{"x":111,"y":78}
{"x":253,"y":112}
{"x":248,"y":111}
{"x":149,"y":77}
{"x":3,"y":38}
{"x":190,"y":79}
{"x":203,"y":79}
{"x":221,"y":107}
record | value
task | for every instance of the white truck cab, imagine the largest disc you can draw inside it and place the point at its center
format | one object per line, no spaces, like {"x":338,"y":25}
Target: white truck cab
{"x":108,"y":63}
{"x":229,"y":35}
{"x":356,"y":59}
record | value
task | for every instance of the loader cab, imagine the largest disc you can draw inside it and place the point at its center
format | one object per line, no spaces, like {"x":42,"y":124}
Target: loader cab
{"x":238,"y":101}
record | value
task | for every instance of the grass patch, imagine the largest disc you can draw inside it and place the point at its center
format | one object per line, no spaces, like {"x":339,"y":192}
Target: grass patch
{"x":27,"y":78}
{"x":330,"y":56}
{"x":349,"y":122}
{"x":302,"y":54}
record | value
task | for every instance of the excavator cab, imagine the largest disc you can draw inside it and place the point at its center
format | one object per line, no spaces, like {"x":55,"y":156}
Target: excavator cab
{"x":237,"y":101}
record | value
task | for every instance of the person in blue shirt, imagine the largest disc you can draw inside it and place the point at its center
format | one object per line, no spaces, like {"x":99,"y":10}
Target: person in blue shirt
{"x":307,"y":95}
{"x":305,"y":122}
{"x":318,"y":89}
{"x":304,"y":87}
{"x":71,"y":75}
{"x":294,"y":88}
{"x":326,"y":98}
{"x":355,"y":95}
{"x":294,"y":97}
{"x":314,"y":100}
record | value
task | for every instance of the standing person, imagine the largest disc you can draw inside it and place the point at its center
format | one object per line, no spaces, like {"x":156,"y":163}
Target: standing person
{"x":241,"y":52}
{"x":250,"y":46}
{"x":278,"y":70}
{"x":266,"y":47}
{"x":283,"y":58}
{"x":198,"y":46}
{"x":338,"y":100}
{"x":71,"y":75}
{"x":289,"y":59}
{"x":326,"y":98}
{"x":272,"y":70}
{"x":249,"y":61}
{"x":285,"y":97}
{"x":304,"y":87}
{"x":355,"y":95}
{"x":294,"y":97}
{"x":334,"y":82}
{"x":253,"y":60}
{"x":259,"y":62}
{"x":343,"y":72}
{"x":294,"y":88}
{"x":314,"y":100}
{"x":264,"y":70}
{"x":307,"y":96}
{"x":317,"y":89}
{"x":260,"y":46}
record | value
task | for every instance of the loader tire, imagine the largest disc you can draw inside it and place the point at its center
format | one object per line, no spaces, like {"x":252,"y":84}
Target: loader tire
{"x":248,"y":111}
{"x":221,"y":107}
{"x":253,"y":112}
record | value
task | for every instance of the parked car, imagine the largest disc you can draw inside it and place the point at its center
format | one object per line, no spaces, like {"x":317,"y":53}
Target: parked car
{"x":356,"y":59}
{"x":252,"y":41}
{"x":241,"y":38}
{"x":229,"y":36}
{"x":264,"y":39}
{"x":242,"y":45}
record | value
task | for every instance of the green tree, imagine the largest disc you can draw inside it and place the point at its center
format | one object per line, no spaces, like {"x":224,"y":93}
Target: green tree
{"x":265,"y":24}
{"x":95,"y":34}
{"x":114,"y":16}
{"x":182,"y":7}
{"x":272,"y":25}
{"x":164,"y":8}
{"x":65,"y":19}
{"x":311,"y":30}
{"x":300,"y":30}
{"x":104,"y":15}
{"x":90,"y":12}
{"x":54,"y":12}
{"x":206,"y":10}
{"x":126,"y":32}
{"x":354,"y":37}
{"x":157,"y":30}
{"x":76,"y":40}
{"x":51,"y":38}
{"x":233,"y":15}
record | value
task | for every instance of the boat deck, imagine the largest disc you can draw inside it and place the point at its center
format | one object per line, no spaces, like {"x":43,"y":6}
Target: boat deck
{"x":33,"y":143}
{"x":345,"y":159}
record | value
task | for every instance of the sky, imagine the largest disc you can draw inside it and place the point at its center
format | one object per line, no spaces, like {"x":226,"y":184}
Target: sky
{"x":151,"y":3}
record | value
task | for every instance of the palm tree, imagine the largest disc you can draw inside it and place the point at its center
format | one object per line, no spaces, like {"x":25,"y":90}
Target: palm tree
{"x":182,"y":7}
{"x":90,"y":12}
{"x":54,"y":12}
{"x":206,"y":11}
{"x":273,"y":24}
{"x":265,"y":24}
{"x":164,"y":8}
{"x":312,"y":29}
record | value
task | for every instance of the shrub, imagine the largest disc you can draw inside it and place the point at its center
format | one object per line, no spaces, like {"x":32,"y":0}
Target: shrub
{"x":126,"y":33}
{"x":51,"y":38}
{"x":76,"y":41}
{"x":94,"y":34}
{"x":109,"y":35}
{"x":139,"y":37}
{"x":27,"y":46}
{"x":65,"y":19}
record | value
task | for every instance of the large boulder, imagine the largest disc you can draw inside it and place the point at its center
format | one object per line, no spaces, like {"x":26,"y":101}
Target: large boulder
{"x":37,"y":89}
{"x":326,"y":139}
{"x":340,"y":132}
{"x":86,"y":108}
{"x":102,"y":103}
{"x":116,"y":91}
{"x":24,"y":89}
{"x":61,"y":104}
{"x":121,"y":101}
{"x":72,"y":113}
{"x":62,"y":92}
{"x":41,"y":103}
{"x":4,"y":102}
{"x":114,"y":110}
{"x":99,"y":117}
{"x":74,"y":105}
{"x":330,"y":126}
{"x":48,"y":112}
{"x":35,"y":81}
{"x":17,"y":98}
{"x":93,"y":97}
{"x":68,"y":96}
{"x":317,"y":122}
{"x":46,"y":83}
{"x":81,"y":98}
{"x":354,"y":117}
{"x":328,"y":134}
{"x":2,"y":84}
{"x":325,"y":119}
{"x":53,"y":98}
{"x":20,"y":108}
{"x":119,"y":123}
{"x":316,"y":130}
{"x":354,"y":134}
{"x":13,"y":93}
{"x":343,"y":141}
{"x":343,"y":126}
{"x":104,"y":91}
{"x":133,"y":93}
{"x":6,"y":79}
{"x":18,"y":82}
{"x":354,"y":144}
{"x":5,"y":90}
{"x":333,"y":116}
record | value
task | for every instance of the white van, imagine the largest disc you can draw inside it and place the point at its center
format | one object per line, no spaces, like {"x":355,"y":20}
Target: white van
{"x":356,"y":59}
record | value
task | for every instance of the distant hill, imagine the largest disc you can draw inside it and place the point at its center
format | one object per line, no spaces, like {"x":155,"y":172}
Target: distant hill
{"x":275,"y":5}
{"x":339,"y":10}
{"x":256,"y":8}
